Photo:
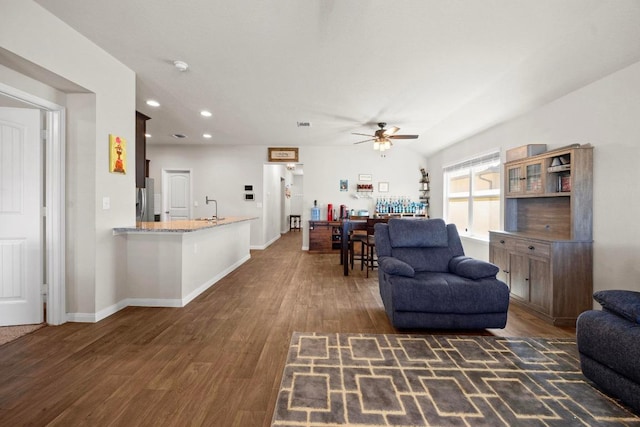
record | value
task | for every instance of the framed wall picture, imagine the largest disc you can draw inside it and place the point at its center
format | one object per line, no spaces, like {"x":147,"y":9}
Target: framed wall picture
{"x":364,"y":177}
{"x":117,"y":154}
{"x":283,"y":154}
{"x":344,"y":185}
{"x":383,"y":187}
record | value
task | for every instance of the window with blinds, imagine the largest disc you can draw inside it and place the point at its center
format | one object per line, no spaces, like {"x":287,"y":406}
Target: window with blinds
{"x":472,"y":195}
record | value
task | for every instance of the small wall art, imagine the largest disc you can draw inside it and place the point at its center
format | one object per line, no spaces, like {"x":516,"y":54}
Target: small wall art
{"x":344,"y":185}
{"x":383,"y":187}
{"x":117,"y":154}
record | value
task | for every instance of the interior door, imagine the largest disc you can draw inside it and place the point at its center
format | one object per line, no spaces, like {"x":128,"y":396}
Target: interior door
{"x":21,"y":230}
{"x":179,"y":199}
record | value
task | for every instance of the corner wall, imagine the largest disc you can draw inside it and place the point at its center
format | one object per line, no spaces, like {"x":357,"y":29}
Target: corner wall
{"x":606,"y":115}
{"x":31,"y":33}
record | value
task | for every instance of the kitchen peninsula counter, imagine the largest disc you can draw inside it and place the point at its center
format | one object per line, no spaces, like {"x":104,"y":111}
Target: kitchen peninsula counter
{"x":171,"y":263}
{"x":182,"y":226}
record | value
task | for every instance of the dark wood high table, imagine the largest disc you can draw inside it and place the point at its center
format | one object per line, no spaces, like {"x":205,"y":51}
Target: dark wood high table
{"x":347,"y":227}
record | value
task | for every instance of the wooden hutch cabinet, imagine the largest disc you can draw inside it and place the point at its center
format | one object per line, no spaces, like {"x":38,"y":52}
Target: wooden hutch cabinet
{"x":545,"y":252}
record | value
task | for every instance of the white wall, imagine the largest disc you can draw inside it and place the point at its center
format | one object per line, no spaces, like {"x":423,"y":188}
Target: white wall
{"x":324,"y":167}
{"x":605,"y":114}
{"x":31,"y":33}
{"x":222,"y":172}
{"x":218,"y":173}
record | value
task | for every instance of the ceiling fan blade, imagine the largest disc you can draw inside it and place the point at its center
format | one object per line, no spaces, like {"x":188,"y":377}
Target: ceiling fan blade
{"x":403,"y":137}
{"x":390,"y":131}
{"x":363,"y":134}
{"x":366,"y":140}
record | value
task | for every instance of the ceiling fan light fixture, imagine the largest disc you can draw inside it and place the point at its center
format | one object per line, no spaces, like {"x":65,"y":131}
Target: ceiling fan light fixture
{"x":376,"y":145}
{"x":387,"y":145}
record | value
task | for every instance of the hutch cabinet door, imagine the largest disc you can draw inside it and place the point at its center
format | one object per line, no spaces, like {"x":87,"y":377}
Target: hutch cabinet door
{"x":500,"y":257}
{"x":540,"y":284}
{"x":519,"y":274}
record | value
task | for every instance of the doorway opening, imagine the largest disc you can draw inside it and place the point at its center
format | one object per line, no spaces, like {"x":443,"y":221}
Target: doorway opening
{"x":52,"y":188}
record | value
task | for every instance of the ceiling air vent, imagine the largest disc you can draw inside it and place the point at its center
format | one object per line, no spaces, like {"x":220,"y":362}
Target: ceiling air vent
{"x":179,"y":135}
{"x":304,"y":124}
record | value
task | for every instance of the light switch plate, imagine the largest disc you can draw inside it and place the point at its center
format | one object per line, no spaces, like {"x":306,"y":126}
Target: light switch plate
{"x":106,"y":203}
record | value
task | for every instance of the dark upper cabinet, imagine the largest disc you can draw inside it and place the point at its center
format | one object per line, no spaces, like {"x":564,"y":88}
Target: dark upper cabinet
{"x":141,"y":149}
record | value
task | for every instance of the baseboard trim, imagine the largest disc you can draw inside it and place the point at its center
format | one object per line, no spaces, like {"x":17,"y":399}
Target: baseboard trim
{"x":266,"y":245}
{"x":153,"y":302}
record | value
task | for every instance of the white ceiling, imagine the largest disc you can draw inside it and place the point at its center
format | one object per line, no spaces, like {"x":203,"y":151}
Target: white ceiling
{"x":443,"y":69}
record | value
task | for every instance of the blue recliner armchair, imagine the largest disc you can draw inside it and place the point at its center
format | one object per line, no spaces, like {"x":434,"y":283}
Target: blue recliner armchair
{"x":609,"y":345}
{"x":426,"y":281}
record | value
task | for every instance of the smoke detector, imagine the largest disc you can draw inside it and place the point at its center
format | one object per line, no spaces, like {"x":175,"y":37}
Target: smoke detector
{"x":181,"y":65}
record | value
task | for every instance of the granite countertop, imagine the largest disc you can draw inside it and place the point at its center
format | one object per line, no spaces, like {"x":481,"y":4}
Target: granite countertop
{"x":180,"y":226}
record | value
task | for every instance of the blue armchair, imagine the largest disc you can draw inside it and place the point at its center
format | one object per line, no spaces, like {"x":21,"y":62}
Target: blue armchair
{"x":609,"y":345}
{"x":426,"y":281}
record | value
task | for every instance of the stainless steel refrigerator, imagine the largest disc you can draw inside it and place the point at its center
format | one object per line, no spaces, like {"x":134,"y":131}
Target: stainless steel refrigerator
{"x":144,"y":202}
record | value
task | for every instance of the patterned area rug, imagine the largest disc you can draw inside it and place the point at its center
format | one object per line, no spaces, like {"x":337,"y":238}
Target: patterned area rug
{"x":430,"y":380}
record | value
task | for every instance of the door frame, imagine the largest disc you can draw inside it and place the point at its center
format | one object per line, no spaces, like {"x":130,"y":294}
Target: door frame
{"x":165,"y":190}
{"x":54,"y":212}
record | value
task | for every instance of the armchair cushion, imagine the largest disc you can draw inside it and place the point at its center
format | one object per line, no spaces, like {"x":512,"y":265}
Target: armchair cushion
{"x":472,"y":268}
{"x":417,"y":233}
{"x":623,"y":303}
{"x":395,"y":267}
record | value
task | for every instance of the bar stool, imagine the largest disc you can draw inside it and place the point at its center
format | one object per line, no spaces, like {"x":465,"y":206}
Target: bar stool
{"x":355,"y":237}
{"x":369,"y":258}
{"x":294,"y":222}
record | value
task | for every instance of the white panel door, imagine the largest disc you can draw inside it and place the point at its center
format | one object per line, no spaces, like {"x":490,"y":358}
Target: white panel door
{"x":179,"y":195}
{"x":21,"y":256}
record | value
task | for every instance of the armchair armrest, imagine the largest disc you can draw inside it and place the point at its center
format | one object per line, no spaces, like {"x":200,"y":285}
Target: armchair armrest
{"x":395,"y":267}
{"x":472,"y":268}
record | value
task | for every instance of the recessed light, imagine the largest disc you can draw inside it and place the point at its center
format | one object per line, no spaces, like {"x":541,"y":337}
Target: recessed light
{"x":153,"y":103}
{"x":206,"y":135}
{"x":181,"y":65}
{"x":147,"y":135}
{"x":205,"y":113}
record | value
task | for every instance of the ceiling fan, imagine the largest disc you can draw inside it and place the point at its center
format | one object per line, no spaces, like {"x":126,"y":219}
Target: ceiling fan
{"x":382,"y":137}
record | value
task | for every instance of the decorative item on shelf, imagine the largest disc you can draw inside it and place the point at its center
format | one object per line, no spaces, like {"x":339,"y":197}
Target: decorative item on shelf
{"x":564,"y":183}
{"x":424,"y":190}
{"x":400,"y":205}
{"x":364,"y":187}
{"x":560,"y":164}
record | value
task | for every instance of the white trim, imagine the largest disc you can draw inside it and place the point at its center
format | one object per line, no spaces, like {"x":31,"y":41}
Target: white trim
{"x":56,"y":149}
{"x":200,"y":289}
{"x":153,"y":302}
{"x":55,"y":195}
{"x":266,"y":245}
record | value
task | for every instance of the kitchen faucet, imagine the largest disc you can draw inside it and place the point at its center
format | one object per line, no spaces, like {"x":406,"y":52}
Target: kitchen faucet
{"x":207,"y":200}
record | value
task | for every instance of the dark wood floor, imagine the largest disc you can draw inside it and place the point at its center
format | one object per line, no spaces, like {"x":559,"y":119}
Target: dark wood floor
{"x":216,"y":362}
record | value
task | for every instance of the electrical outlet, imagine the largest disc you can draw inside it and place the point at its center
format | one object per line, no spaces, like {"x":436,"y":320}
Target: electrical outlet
{"x":106,"y":203}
